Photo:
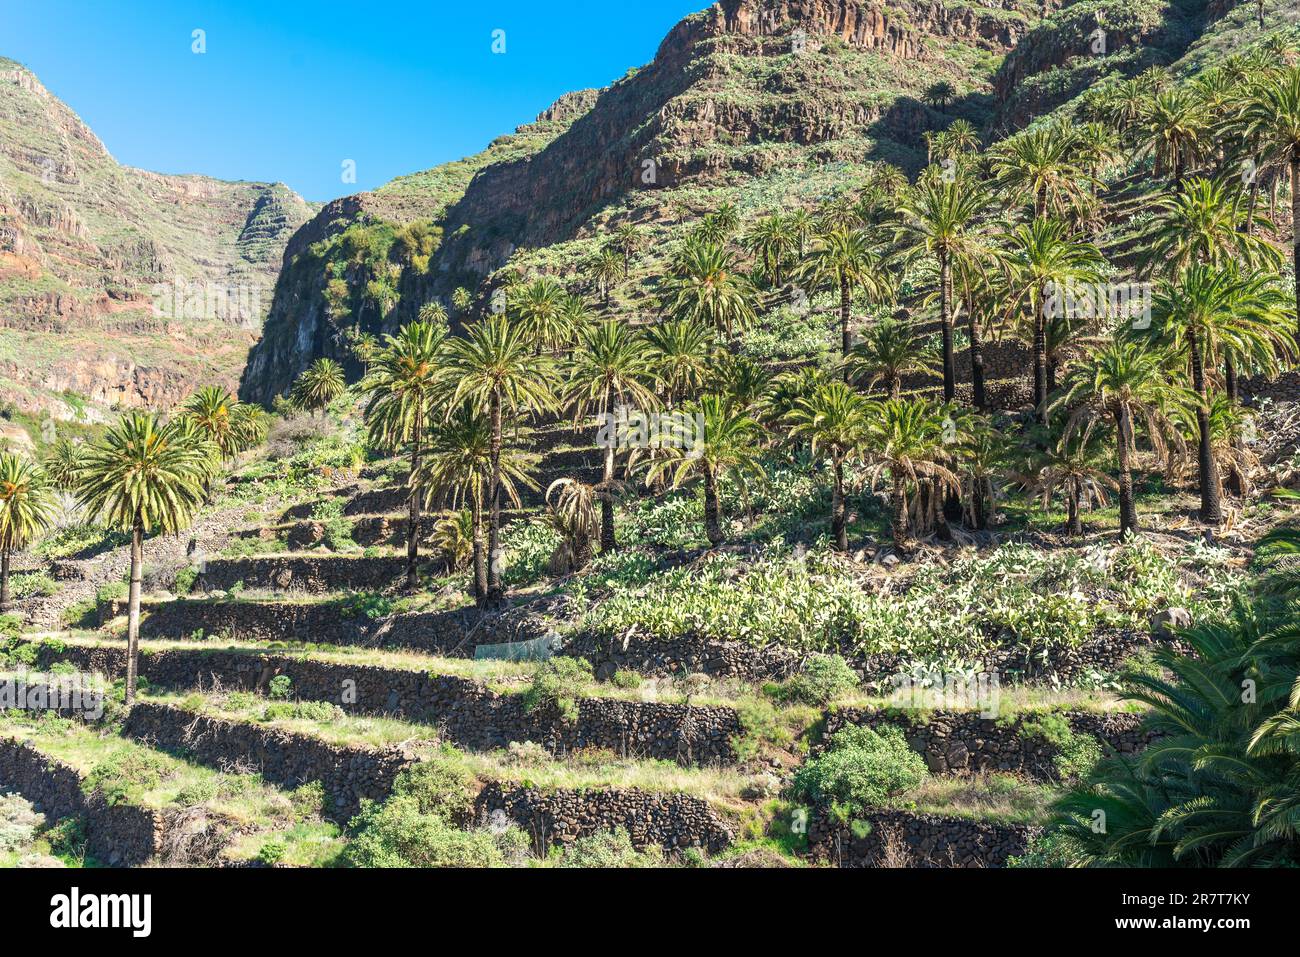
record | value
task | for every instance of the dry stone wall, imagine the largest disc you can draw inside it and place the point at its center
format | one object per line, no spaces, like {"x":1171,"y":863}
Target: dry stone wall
{"x":907,"y":839}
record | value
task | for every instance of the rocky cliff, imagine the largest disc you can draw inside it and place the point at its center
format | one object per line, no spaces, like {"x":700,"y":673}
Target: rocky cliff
{"x":122,"y":286}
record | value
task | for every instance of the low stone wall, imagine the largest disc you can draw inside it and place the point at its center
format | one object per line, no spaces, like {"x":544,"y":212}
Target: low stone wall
{"x":467,"y":713}
{"x":674,"y":821}
{"x":908,"y":839}
{"x":348,"y":775}
{"x":121,"y":835}
{"x":309,"y":533}
{"x":378,"y":501}
{"x":312,"y":574}
{"x":449,"y":633}
{"x":963,"y":742}
{"x":687,"y":655}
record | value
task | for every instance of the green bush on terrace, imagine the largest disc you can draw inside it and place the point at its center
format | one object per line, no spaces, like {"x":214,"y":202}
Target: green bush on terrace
{"x":1012,"y":595}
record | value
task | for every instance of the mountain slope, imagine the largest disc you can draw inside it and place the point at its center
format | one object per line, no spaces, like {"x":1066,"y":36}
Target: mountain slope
{"x":89,"y":248}
{"x":758,"y":103}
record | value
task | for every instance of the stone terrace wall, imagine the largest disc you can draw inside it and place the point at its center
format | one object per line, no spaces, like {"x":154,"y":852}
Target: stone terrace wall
{"x":448,"y":633}
{"x":313,"y":574}
{"x":907,"y":839}
{"x":349,"y":775}
{"x":687,"y":655}
{"x":308,"y":533}
{"x":962,"y":742}
{"x":673,"y":821}
{"x":122,"y":835}
{"x":467,"y":713}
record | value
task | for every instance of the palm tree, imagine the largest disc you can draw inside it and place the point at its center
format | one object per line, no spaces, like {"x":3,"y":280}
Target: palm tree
{"x":938,"y":221}
{"x":611,"y":368}
{"x":844,"y":258}
{"x":1125,"y":104}
{"x":492,"y":368}
{"x":1272,"y":117}
{"x":906,"y":440}
{"x":27,"y":508}
{"x":939,"y":94}
{"x":1044,"y":261}
{"x":1041,"y":164}
{"x":457,"y":469}
{"x":982,"y":452}
{"x":888,"y":352}
{"x":1176,"y":133}
{"x":606,"y":269}
{"x":540,"y":312}
{"x":728,"y":446}
{"x":453,"y":535}
{"x":802,"y":227}
{"x":628,"y":239}
{"x":145,"y":477}
{"x":406,"y":391}
{"x":772,"y":241}
{"x":1203,"y":223}
{"x":1196,"y":315}
{"x":742,"y":381}
{"x":705,"y":283}
{"x":319,"y":385}
{"x":679,"y":354}
{"x":1071,"y":466}
{"x":61,"y":463}
{"x":213,"y":410}
{"x":575,"y":518}
{"x":833,"y":419}
{"x":1127,"y":383}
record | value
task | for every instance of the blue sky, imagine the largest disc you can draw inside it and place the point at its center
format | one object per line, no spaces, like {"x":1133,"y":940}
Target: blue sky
{"x":289,"y":90}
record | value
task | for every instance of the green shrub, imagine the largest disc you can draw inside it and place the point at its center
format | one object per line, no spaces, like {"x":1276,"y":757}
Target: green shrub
{"x":368,"y":604}
{"x":860,"y":769}
{"x":126,"y":776}
{"x":626,"y":679}
{"x":281,"y":688}
{"x":324,"y":711}
{"x":560,"y":682}
{"x":397,"y":834}
{"x":440,"y":786}
{"x":823,"y":678}
{"x":11,"y":625}
{"x":271,"y":853}
{"x":608,"y":849}
{"x":309,"y":801}
{"x":32,"y":585}
{"x":185,"y":579}
{"x":1076,"y":754}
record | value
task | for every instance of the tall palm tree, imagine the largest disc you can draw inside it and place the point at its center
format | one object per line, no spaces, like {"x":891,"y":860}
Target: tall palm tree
{"x":1205,"y":308}
{"x":27,"y":507}
{"x":1043,"y":165}
{"x":216,"y":412}
{"x":834,"y":419}
{"x":606,"y":270}
{"x":60,"y":464}
{"x":1045,"y":258}
{"x":1073,"y":466}
{"x":1125,"y":382}
{"x":145,"y":476}
{"x":844,"y":259}
{"x":939,"y":221}
{"x":492,"y":368}
{"x":907,"y":442}
{"x":406,"y":392}
{"x":707,"y":284}
{"x":888,"y":352}
{"x":1272,"y":117}
{"x":611,"y":367}
{"x":319,"y":385}
{"x":457,"y":470}
{"x":729,"y":445}
{"x":628,"y":239}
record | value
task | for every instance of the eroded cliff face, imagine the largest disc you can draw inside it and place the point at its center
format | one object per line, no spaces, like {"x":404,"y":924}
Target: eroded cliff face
{"x":85,"y":246}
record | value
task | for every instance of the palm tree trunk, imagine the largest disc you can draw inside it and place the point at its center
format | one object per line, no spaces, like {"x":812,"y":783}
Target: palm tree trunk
{"x":1295,"y":226}
{"x":1040,"y":359}
{"x":1074,"y":526}
{"x":978,"y":394}
{"x":941,"y":529}
{"x":495,"y":590}
{"x":900,"y":514}
{"x":945,"y":319}
{"x":480,"y":566}
{"x":133,"y":613}
{"x":839,"y":529}
{"x":1211,"y":507}
{"x":607,"y":541}
{"x":4,"y":580}
{"x":845,"y":343}
{"x":413,"y":513}
{"x":1230,"y":386}
{"x":712,"y":519}
{"x":1128,"y":521}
